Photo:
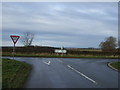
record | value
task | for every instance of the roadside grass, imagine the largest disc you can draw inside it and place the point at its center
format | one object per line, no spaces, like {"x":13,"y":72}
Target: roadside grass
{"x":116,"y":65}
{"x":86,"y":50}
{"x":14,"y":73}
{"x":59,"y":56}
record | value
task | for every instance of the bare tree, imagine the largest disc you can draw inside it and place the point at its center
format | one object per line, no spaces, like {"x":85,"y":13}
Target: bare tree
{"x":109,"y":44}
{"x":27,"y":38}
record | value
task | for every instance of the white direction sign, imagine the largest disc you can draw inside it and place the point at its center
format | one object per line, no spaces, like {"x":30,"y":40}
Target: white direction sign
{"x":60,"y":51}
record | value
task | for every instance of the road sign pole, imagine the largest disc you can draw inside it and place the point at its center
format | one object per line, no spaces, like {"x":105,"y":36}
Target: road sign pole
{"x":13,"y":51}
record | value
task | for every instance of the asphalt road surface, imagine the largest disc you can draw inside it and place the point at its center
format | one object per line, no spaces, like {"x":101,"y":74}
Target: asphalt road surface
{"x":70,"y":73}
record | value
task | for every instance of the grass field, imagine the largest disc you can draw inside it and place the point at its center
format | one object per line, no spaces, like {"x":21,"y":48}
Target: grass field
{"x":14,"y":73}
{"x":86,"y":50}
{"x":116,"y":65}
{"x":59,"y":56}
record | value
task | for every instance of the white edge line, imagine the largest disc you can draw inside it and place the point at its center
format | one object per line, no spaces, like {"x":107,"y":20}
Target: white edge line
{"x":82,"y":74}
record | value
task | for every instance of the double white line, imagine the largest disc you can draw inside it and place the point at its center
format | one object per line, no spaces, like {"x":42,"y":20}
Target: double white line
{"x":82,"y":74}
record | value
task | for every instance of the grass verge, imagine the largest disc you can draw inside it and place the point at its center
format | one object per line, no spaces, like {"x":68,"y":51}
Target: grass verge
{"x":116,"y":65}
{"x":14,"y":73}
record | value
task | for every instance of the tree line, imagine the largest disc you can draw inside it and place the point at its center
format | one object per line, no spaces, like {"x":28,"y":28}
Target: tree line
{"x":108,"y":45}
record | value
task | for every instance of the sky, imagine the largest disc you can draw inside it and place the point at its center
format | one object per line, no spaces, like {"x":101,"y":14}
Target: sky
{"x":56,"y":24}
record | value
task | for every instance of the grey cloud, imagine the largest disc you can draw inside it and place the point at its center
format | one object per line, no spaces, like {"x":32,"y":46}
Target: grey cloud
{"x":61,"y":22}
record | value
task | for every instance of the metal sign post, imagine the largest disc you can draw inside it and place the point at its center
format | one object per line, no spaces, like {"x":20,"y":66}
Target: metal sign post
{"x":62,"y":51}
{"x":13,"y":51}
{"x":14,"y":39}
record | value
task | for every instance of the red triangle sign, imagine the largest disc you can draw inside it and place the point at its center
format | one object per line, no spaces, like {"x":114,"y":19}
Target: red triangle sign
{"x":14,"y":38}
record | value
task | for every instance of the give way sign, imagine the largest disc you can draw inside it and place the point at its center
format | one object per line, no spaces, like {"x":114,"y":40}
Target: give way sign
{"x":14,"y":38}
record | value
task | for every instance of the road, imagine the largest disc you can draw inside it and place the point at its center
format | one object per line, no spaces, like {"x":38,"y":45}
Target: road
{"x":70,"y":73}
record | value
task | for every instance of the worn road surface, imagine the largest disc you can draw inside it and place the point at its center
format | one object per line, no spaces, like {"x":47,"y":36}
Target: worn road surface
{"x":70,"y":73}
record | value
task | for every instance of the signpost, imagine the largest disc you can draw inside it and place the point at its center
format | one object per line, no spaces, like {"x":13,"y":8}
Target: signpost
{"x":62,"y":51}
{"x":14,"y":39}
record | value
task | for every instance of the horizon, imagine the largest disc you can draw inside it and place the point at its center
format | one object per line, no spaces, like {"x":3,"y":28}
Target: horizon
{"x":43,"y":46}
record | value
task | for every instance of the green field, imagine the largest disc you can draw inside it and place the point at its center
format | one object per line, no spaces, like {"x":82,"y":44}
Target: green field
{"x":59,"y":56}
{"x":99,"y":50}
{"x":14,"y":73}
{"x":116,"y":65}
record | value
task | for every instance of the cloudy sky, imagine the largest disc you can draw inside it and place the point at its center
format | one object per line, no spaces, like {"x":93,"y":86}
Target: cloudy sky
{"x":68,"y":24}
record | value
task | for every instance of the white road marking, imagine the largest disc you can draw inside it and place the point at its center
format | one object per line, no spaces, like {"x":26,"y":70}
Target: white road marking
{"x":48,"y":63}
{"x":82,"y":74}
{"x":60,"y":61}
